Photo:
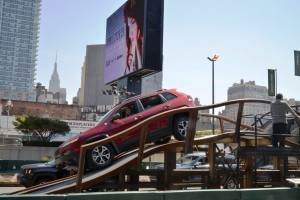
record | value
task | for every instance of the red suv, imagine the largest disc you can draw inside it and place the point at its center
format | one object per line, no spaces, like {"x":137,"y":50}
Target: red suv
{"x":121,"y":117}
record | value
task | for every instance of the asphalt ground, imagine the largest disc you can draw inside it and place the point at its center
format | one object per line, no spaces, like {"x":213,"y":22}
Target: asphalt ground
{"x":6,"y":190}
{"x":8,"y":182}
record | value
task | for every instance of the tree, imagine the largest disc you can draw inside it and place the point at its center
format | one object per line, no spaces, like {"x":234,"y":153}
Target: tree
{"x":43,"y":129}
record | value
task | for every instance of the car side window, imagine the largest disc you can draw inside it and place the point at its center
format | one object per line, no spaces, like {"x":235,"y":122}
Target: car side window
{"x":128,"y":110}
{"x":151,"y":101}
{"x":168,"y":96}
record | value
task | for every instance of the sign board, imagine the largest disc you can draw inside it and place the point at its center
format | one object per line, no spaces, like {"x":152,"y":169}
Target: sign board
{"x":134,"y":38}
{"x":271,"y":82}
{"x":297,"y":63}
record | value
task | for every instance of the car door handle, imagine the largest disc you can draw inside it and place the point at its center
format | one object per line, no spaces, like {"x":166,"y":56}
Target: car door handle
{"x":137,"y":117}
{"x":167,"y":106}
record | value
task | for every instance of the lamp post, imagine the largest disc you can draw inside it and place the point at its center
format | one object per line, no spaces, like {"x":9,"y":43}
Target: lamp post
{"x":9,"y":105}
{"x":215,"y":58}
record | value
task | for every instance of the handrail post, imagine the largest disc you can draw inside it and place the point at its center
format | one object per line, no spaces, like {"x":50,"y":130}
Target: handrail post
{"x":80,"y":170}
{"x":237,"y":133}
{"x":144,"y":133}
{"x":190,"y":135}
{"x":238,"y":122}
{"x":221,"y":121}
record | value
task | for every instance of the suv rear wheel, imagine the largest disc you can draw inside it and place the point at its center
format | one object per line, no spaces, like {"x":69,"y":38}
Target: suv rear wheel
{"x":180,"y":127}
{"x":100,"y":157}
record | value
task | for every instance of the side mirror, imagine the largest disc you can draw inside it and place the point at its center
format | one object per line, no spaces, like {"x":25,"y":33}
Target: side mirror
{"x":115,"y":117}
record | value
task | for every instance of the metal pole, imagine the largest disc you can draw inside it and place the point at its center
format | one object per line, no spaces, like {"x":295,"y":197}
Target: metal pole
{"x":1,"y":131}
{"x":213,"y":96}
{"x":7,"y":121}
{"x":276,"y":80}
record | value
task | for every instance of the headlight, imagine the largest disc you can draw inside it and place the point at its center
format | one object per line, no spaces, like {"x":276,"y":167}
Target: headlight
{"x":70,"y":142}
{"x":28,"y":171}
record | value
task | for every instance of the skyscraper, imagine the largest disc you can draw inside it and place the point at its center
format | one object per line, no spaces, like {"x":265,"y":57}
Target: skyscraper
{"x":54,"y":84}
{"x":19,"y":33}
{"x":92,"y":80}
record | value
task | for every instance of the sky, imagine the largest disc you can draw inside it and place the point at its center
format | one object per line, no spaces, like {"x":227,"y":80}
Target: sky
{"x":250,"y":37}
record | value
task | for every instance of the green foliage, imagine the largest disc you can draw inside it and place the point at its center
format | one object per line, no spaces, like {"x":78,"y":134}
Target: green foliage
{"x":43,"y":129}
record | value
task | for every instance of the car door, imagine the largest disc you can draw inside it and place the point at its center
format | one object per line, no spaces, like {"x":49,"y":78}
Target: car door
{"x":153,"y":105}
{"x":125,"y":122}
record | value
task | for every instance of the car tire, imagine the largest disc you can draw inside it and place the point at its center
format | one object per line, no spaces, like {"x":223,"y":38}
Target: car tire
{"x":100,"y":157}
{"x":231,"y":184}
{"x":163,"y":141}
{"x":43,"y":180}
{"x":180,"y":127}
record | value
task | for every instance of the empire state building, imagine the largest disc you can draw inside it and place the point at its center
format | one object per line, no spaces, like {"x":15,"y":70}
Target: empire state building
{"x":54,"y":85}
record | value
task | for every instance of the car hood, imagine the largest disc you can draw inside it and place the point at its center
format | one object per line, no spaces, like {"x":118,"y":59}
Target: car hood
{"x":87,"y":134}
{"x":267,"y":167}
{"x":37,"y":165}
{"x":159,"y":166}
{"x":179,"y":166}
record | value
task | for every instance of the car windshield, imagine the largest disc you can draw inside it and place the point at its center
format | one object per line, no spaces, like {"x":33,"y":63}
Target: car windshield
{"x":106,"y":116}
{"x":227,"y":159}
{"x":51,"y":162}
{"x":186,"y":160}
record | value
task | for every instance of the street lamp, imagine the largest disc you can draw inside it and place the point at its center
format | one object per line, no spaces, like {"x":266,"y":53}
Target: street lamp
{"x":9,"y":105}
{"x":215,"y":58}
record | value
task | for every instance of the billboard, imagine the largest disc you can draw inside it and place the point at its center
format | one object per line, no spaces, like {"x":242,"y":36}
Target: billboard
{"x":134,"y":40}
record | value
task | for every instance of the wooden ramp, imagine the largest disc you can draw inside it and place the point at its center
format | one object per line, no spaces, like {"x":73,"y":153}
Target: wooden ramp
{"x":123,"y":163}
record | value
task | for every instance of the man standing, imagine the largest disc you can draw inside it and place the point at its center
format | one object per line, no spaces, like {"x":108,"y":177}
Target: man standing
{"x":279,"y":108}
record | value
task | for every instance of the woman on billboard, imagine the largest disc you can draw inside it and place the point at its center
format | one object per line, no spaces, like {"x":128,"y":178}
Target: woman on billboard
{"x":134,"y":20}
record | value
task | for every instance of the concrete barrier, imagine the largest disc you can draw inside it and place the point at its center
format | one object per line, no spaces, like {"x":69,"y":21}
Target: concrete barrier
{"x":33,"y":197}
{"x":203,"y":194}
{"x":270,"y":194}
{"x":242,"y":194}
{"x":155,"y":195}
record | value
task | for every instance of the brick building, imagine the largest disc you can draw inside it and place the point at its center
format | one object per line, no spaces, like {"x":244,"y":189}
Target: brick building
{"x":48,"y":110}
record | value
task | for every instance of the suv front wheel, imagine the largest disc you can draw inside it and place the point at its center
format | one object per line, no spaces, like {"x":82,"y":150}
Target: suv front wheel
{"x":180,"y":127}
{"x":43,"y":180}
{"x":100,"y":157}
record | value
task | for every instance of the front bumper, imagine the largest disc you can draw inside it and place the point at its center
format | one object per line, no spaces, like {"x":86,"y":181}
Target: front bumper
{"x":67,"y":159}
{"x":25,"y":180}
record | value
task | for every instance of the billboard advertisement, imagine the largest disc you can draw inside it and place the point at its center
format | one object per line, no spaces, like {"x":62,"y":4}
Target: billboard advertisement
{"x":134,"y":40}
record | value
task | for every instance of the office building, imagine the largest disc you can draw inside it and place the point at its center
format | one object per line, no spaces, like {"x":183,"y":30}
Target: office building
{"x":152,"y":83}
{"x":244,"y":90}
{"x":19,"y":33}
{"x":92,"y":82}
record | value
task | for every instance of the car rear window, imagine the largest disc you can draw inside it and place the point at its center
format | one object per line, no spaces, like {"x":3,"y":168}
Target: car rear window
{"x":168,"y":96}
{"x":152,"y":101}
